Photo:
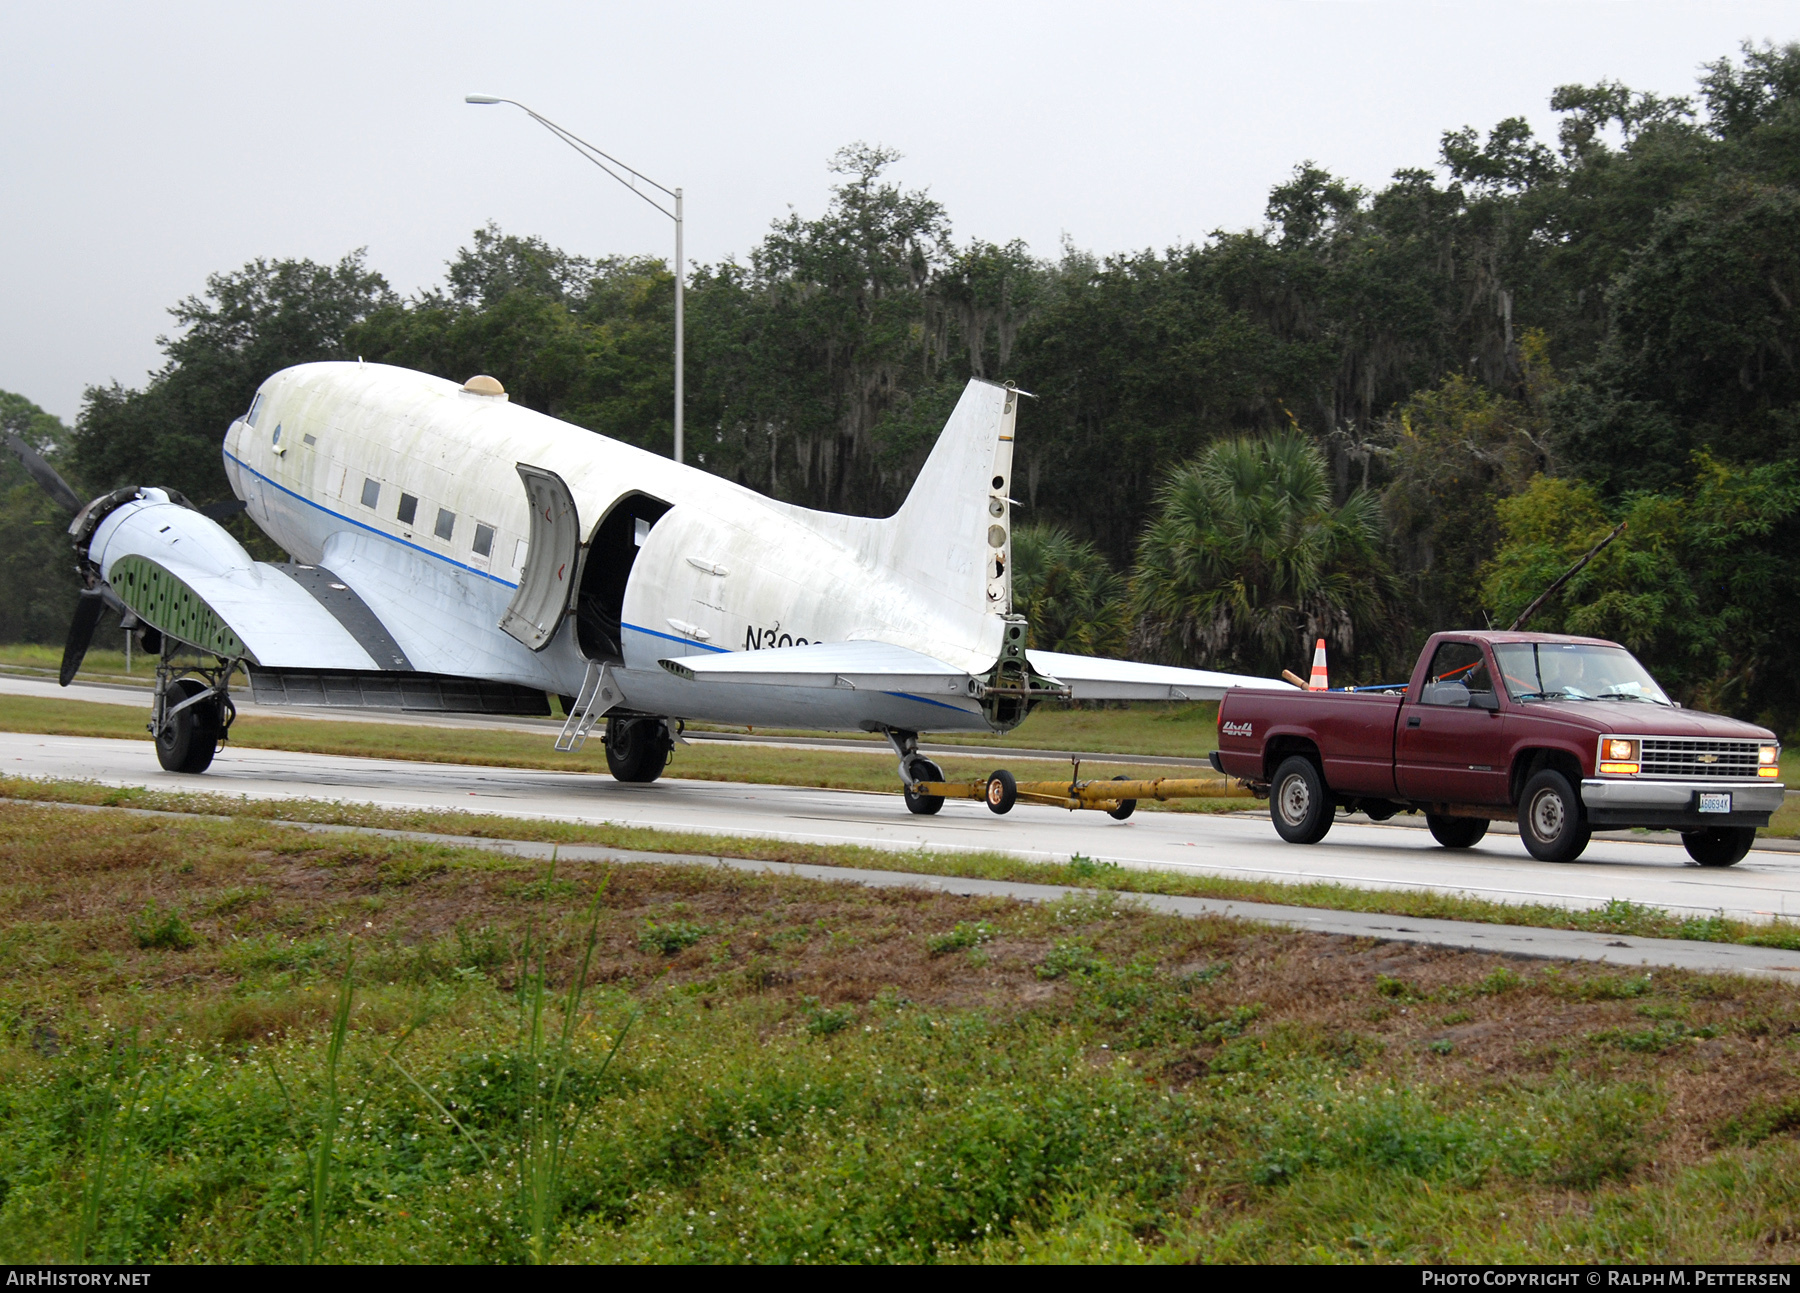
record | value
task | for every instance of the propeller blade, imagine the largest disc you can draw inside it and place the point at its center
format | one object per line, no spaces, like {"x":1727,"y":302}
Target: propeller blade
{"x":220,"y":511}
{"x":81,"y":633}
{"x":44,"y":474}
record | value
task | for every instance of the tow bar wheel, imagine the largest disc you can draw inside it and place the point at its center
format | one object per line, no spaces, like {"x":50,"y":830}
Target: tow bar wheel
{"x":1126,"y":806}
{"x":1002,"y":791}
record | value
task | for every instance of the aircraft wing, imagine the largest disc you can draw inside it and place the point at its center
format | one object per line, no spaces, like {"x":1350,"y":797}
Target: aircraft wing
{"x":881,"y":666}
{"x":1091,"y":678}
{"x":858,"y":666}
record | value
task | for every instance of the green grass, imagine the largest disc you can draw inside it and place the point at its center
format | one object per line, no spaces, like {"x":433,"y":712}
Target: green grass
{"x":821,"y":1076}
{"x":1616,"y":917}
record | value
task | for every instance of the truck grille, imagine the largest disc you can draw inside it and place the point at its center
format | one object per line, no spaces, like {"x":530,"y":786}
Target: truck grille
{"x":1672,"y":757}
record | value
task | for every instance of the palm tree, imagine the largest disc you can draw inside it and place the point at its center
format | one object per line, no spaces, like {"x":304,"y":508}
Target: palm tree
{"x":1247,"y":561}
{"x":1073,"y":599}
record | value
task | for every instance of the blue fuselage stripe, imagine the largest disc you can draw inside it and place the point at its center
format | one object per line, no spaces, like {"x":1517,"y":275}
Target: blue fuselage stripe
{"x":363,"y":525}
{"x":670,"y":637}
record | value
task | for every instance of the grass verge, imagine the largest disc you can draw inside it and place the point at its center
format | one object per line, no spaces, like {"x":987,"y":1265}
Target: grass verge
{"x":826,"y":1073}
{"x":1616,"y":917}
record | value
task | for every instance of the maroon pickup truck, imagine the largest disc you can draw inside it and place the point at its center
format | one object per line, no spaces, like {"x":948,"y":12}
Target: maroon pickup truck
{"x":1564,"y":734}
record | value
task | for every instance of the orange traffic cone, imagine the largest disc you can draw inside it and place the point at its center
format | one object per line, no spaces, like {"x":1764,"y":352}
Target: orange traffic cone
{"x":1319,"y":681}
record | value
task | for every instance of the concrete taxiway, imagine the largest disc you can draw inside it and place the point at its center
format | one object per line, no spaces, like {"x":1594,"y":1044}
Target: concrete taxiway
{"x":1764,"y":885}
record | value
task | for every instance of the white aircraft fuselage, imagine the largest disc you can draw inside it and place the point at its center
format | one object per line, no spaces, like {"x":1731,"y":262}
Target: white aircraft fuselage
{"x":407,"y":488}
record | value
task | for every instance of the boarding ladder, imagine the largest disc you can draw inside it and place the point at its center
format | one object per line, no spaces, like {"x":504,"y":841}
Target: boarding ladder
{"x":599,"y":693}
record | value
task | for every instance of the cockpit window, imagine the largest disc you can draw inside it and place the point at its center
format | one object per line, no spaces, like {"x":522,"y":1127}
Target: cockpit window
{"x":255,"y":408}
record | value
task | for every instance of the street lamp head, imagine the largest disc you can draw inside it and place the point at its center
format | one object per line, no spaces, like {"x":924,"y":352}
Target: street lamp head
{"x":481,"y":98}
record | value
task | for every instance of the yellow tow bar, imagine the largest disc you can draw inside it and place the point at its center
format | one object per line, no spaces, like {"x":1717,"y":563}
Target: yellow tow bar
{"x":1118,"y":797}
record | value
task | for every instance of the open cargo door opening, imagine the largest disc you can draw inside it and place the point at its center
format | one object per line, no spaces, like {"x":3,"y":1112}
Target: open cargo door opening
{"x":600,"y":606}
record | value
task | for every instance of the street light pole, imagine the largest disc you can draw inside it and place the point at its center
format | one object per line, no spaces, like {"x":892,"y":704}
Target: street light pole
{"x":602,"y":160}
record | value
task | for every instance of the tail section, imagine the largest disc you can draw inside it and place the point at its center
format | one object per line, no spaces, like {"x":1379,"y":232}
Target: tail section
{"x":953,"y":535}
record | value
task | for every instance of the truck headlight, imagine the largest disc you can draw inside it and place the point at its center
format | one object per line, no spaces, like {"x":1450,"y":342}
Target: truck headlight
{"x":1768,"y":758}
{"x":1618,"y":756}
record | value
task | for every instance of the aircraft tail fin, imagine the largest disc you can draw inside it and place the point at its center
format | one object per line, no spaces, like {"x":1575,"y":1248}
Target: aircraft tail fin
{"x":953,"y":534}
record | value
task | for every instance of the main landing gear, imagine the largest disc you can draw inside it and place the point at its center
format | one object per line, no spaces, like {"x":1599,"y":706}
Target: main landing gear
{"x":638,"y":749}
{"x":192,"y":712}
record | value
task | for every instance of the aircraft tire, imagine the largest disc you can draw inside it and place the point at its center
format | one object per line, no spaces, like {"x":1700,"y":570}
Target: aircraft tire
{"x":923,"y":805}
{"x":1720,"y":846}
{"x":1456,"y":832}
{"x":1002,"y":791}
{"x":1126,"y":806}
{"x":637,"y":749}
{"x":189,"y":740}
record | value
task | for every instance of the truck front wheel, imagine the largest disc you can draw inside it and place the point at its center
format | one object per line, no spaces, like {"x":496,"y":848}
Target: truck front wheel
{"x":1720,"y":846}
{"x":1299,"y":804}
{"x":1550,"y":818}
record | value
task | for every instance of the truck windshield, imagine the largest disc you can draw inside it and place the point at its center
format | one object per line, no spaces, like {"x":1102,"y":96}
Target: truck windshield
{"x":1574,"y":671}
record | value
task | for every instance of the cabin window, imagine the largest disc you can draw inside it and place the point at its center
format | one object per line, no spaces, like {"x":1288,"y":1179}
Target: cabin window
{"x":484,"y":540}
{"x":255,"y":408}
{"x":309,"y":438}
{"x":371,"y":492}
{"x":446,"y":524}
{"x":409,"y":508}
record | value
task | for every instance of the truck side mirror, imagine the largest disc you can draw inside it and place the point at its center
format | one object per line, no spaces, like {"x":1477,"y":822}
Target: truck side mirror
{"x":1484,"y":700}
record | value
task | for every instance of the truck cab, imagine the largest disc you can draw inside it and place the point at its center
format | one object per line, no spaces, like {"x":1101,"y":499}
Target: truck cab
{"x":1567,"y":734}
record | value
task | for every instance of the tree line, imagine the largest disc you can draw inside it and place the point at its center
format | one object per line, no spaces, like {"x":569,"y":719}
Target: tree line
{"x":1381,"y":413}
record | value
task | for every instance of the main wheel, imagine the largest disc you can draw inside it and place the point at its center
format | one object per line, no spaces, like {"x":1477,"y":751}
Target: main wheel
{"x":1720,"y":846}
{"x":1456,"y":832}
{"x":188,"y":740}
{"x":924,"y":805}
{"x":637,"y":749}
{"x":1298,"y":801}
{"x":1002,"y":791}
{"x":1550,"y":818}
{"x":1126,"y":806}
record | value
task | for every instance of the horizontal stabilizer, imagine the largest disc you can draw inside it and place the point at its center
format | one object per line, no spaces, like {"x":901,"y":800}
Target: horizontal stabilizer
{"x":1091,"y":678}
{"x":858,"y":666}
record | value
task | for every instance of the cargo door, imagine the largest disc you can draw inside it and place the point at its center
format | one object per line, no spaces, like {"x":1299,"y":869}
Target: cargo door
{"x":1451,"y":745}
{"x":552,"y":569}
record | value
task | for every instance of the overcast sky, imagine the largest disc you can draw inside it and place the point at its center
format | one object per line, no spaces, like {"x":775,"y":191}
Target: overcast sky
{"x":144,"y":146}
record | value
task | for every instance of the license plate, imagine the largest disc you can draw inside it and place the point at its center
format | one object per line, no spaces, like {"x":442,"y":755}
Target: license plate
{"x":1715,"y":803}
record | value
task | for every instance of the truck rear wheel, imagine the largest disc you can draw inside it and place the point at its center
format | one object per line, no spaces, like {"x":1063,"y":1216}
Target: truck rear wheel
{"x":1456,"y":832}
{"x":1720,"y":846}
{"x":1550,"y":818}
{"x":1299,"y":803}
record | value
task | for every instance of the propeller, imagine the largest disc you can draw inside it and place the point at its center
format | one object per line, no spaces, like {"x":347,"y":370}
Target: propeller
{"x":81,"y":633}
{"x":44,"y":474}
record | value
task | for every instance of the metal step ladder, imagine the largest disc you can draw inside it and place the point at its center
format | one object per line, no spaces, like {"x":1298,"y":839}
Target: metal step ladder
{"x":599,"y":693}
